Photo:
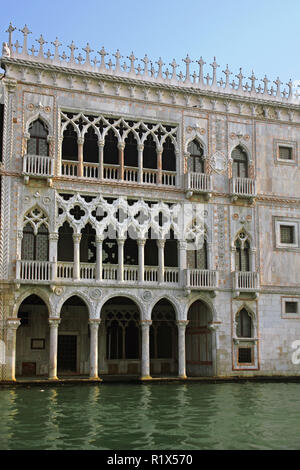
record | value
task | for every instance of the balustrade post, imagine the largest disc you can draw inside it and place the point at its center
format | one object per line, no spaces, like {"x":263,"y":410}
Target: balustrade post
{"x":182,"y":262}
{"x":76,"y":272}
{"x":121,"y":147}
{"x":159,"y":165}
{"x":141,"y":247}
{"x":94,"y":328}
{"x":80,"y":142}
{"x":121,"y":242}
{"x":145,"y":364}
{"x":140,"y":148}
{"x":53,"y":241}
{"x":99,"y":241}
{"x":161,"y":260}
{"x":181,"y":324}
{"x":101,"y":158}
{"x":53,"y":323}
{"x":10,"y":355}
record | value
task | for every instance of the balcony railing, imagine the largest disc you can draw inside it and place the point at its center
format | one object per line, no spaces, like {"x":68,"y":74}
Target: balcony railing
{"x":34,"y":271}
{"x":245,"y":281}
{"x":201,"y":279}
{"x":198,"y":182}
{"x":38,"y":166}
{"x":70,"y":168}
{"x":243,"y":187}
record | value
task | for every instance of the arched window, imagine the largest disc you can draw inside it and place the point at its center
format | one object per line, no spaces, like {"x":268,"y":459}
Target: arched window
{"x":88,"y":244}
{"x":130,"y":151}
{"x":244,"y":324}
{"x":35,"y":247}
{"x":197,"y":259}
{"x":69,"y":145}
{"x":149,"y":154}
{"x":195,"y":159}
{"x":168,"y":156}
{"x":171,"y":251}
{"x":65,"y":247}
{"x":38,"y":144}
{"x":111,"y":152}
{"x":90,"y":146}
{"x":240,"y":163}
{"x":242,"y":256}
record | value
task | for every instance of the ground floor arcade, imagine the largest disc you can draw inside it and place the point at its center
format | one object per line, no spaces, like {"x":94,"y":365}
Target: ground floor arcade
{"x":121,"y":340}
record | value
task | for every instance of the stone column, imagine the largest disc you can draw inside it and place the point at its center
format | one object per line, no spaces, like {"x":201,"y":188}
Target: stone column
{"x":121,"y":147}
{"x":213,"y":327}
{"x":53,"y":240}
{"x":53,"y":322}
{"x":58,"y":160}
{"x":99,"y":241}
{"x":76,"y":268}
{"x":209,"y":255}
{"x":161,"y":260}
{"x":12,"y":326}
{"x":182,"y":262}
{"x":94,"y":328}
{"x":252,"y":259}
{"x":80,"y":142}
{"x":145,"y":364}
{"x":101,"y":152}
{"x":140,"y":148}
{"x":159,"y":165}
{"x":181,"y":324}
{"x":141,"y":244}
{"x":121,"y":242}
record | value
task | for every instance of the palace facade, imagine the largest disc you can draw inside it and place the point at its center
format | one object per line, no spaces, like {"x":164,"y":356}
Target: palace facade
{"x":150,"y":218}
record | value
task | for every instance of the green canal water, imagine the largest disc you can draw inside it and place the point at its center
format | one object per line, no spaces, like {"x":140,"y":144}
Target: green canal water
{"x":151,"y":417}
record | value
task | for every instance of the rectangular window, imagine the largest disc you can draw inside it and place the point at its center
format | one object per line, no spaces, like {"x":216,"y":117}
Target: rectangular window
{"x":285,"y":153}
{"x":245,"y":355}
{"x":291,"y":307}
{"x":287,"y":234}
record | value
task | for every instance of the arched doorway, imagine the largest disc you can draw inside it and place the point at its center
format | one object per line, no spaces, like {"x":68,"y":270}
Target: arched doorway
{"x":199,"y":341}
{"x":73,"y":347}
{"x":32,"y":340}
{"x":163,"y":339}
{"x":120,"y":338}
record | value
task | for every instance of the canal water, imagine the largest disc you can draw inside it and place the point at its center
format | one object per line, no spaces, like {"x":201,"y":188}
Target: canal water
{"x":151,"y":416}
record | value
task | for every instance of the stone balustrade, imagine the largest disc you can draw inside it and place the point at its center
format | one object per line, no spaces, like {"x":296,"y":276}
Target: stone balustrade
{"x":245,"y":281}
{"x":243,"y":187}
{"x":201,"y":279}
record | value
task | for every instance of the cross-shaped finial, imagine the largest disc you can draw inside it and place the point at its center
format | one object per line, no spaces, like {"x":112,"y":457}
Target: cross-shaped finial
{"x":64,"y":56}
{"x":227,"y":75}
{"x":32,"y":50}
{"x":17,"y":46}
{"x":208,"y":79}
{"x":214,"y":65}
{"x":187,"y":62}
{"x":139,"y":69}
{"x":132,"y":58}
{"x":290,"y":85}
{"x":265,"y":81}
{"x":201,"y":62}
{"x":240,"y":76}
{"x":180,"y":76}
{"x":118,"y":56}
{"x":87,"y":51}
{"x":72,"y":47}
{"x":10,"y":30}
{"x":124,"y":66}
{"x":102,"y":53}
{"x":160,"y":65}
{"x":253,"y":80}
{"x":146,"y":61}
{"x":278,"y":83}
{"x":174,"y":65}
{"x":41,"y":42}
{"x":79,"y":58}
{"x":25,"y":32}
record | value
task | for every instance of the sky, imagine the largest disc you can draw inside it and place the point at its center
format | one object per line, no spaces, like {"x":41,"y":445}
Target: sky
{"x":256,"y":35}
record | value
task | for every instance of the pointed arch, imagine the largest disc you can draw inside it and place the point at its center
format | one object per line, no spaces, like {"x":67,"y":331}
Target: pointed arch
{"x":240,"y":161}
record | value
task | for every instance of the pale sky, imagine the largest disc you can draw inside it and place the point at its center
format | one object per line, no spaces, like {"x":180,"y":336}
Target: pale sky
{"x":259,"y":35}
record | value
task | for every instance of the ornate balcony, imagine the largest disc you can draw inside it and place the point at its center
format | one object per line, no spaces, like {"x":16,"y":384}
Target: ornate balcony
{"x":245,"y":281}
{"x":37,"y":166}
{"x":243,"y":187}
{"x":34,"y":271}
{"x":201,"y":279}
{"x":198,"y":183}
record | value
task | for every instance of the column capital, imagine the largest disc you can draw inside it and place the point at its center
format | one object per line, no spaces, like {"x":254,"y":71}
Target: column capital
{"x":13,"y":323}
{"x":141,"y":241}
{"x":94,"y":322}
{"x":53,"y":236}
{"x":77,"y":237}
{"x":121,"y":240}
{"x":214,"y":326}
{"x":54,"y":322}
{"x":160,"y":243}
{"x":140,"y":147}
{"x":182,"y":245}
{"x":182,"y":323}
{"x":99,"y":238}
{"x":145,"y":323}
{"x":101,"y":143}
{"x":121,"y":145}
{"x":80,"y":140}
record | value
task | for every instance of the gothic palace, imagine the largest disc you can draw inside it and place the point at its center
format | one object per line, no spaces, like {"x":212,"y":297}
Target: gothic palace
{"x":150,"y":217}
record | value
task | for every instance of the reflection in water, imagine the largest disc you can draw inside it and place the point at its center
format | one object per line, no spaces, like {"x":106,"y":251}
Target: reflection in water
{"x":151,"y":416}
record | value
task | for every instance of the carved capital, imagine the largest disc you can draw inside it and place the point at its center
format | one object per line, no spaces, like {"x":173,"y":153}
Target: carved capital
{"x":54,"y":322}
{"x":13,"y":323}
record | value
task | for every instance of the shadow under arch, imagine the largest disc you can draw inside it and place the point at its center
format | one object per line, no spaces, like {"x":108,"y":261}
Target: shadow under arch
{"x":120,"y":336}
{"x":199,"y":350}
{"x":163,"y":339}
{"x":32,"y":337}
